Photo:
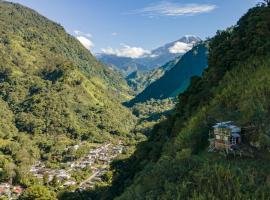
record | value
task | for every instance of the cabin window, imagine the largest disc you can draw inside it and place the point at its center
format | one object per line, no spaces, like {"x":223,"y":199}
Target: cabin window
{"x":233,"y":140}
{"x":218,"y":137}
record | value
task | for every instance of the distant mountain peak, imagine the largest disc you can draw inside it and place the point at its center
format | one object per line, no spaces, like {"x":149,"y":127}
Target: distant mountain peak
{"x":155,"y":58}
{"x":183,"y":45}
{"x":190,"y":39}
{"x":177,"y":48}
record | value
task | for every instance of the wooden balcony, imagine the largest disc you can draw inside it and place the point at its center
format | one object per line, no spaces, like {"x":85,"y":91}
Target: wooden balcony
{"x":219,"y":144}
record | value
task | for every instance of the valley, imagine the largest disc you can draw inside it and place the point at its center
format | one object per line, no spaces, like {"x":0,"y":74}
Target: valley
{"x":96,"y":163}
{"x":187,"y":120}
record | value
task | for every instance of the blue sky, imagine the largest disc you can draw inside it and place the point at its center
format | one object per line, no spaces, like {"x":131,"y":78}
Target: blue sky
{"x":145,"y":24}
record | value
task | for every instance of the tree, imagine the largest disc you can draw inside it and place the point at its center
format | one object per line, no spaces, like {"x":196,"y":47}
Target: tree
{"x":9,"y":171}
{"x":38,"y":192}
{"x":46,"y":178}
{"x":267,"y":2}
{"x":4,"y":73}
{"x":55,"y":181}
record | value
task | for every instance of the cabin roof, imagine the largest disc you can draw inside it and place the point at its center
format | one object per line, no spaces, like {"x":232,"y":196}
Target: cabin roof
{"x":229,"y":125}
{"x":236,"y":135}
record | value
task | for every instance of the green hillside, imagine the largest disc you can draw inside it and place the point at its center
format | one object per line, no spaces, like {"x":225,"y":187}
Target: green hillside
{"x":139,"y":80}
{"x":177,"y":79}
{"x":174,"y":163}
{"x":53,"y":93}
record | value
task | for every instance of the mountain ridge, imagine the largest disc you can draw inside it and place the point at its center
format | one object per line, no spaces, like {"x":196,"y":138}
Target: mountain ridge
{"x":177,"y":79}
{"x":157,"y":57}
{"x":53,"y":93}
{"x":139,"y":80}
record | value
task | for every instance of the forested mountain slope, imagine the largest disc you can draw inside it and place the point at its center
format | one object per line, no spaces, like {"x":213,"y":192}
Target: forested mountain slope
{"x":140,"y":80}
{"x":38,"y":37}
{"x":177,"y":79}
{"x":174,"y":163}
{"x":53,"y":92}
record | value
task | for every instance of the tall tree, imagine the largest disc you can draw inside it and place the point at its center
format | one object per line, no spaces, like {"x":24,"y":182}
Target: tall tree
{"x":267,"y":2}
{"x":38,"y":192}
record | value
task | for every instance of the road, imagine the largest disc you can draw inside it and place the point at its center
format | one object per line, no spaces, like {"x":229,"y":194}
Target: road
{"x":93,"y":175}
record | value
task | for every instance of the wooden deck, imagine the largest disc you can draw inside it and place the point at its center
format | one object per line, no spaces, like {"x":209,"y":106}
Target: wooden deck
{"x":221,"y":145}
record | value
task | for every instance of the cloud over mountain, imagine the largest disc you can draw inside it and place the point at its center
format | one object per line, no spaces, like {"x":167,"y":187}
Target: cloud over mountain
{"x":87,"y":43}
{"x":127,"y":51}
{"x":85,"y":39}
{"x":129,"y":59}
{"x":180,"y":47}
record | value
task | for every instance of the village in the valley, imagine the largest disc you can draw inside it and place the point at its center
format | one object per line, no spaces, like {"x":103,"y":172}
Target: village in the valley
{"x":97,"y":160}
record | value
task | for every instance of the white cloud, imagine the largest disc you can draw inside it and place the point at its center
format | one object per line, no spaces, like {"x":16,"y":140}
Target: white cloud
{"x":109,"y":50}
{"x":180,"y":47}
{"x":153,"y":55}
{"x":114,"y":34}
{"x":85,"y":39}
{"x":88,"y":35}
{"x":80,"y":33}
{"x":77,"y":32}
{"x":164,"y":8}
{"x":127,"y":51}
{"x":86,"y":42}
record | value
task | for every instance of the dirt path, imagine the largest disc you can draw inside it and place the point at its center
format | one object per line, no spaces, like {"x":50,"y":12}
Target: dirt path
{"x":89,"y":179}
{"x":96,"y":174}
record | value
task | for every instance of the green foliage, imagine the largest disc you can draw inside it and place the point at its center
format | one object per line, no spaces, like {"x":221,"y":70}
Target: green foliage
{"x":53,"y":94}
{"x":139,"y":80}
{"x":55,"y":183}
{"x":107,"y":177}
{"x":152,"y":108}
{"x":38,"y":192}
{"x":150,"y":113}
{"x":174,"y":163}
{"x":47,"y":74}
{"x":177,"y":79}
{"x":81,"y":174}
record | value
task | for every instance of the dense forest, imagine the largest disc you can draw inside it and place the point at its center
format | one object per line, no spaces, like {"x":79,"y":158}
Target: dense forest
{"x":53,"y":94}
{"x":177,"y":78}
{"x":139,"y":80}
{"x":174,"y":163}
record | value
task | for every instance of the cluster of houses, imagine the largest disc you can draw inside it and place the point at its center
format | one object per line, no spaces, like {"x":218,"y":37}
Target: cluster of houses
{"x":10,"y":191}
{"x":98,"y":160}
{"x":39,"y":170}
{"x":103,"y":156}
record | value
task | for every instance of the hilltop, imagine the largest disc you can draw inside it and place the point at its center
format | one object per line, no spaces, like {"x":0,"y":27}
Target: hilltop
{"x":53,"y":94}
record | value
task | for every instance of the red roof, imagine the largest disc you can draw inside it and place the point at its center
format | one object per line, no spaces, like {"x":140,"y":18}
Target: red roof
{"x":2,"y":190}
{"x":17,"y":190}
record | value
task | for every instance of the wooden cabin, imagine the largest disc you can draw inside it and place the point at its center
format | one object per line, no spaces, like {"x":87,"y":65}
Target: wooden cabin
{"x":225,"y":136}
